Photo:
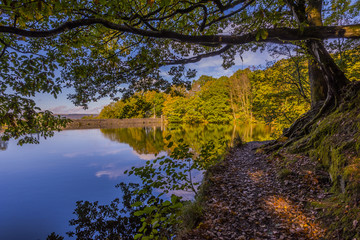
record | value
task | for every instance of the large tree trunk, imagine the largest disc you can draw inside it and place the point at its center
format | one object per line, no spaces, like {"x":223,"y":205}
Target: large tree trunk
{"x":335,"y":79}
{"x":326,"y":78}
{"x":318,"y":85}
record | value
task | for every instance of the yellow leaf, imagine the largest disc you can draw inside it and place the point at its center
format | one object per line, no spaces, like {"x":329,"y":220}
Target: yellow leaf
{"x":150,"y":2}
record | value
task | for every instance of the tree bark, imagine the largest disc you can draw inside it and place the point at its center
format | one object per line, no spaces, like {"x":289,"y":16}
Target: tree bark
{"x":335,"y":79}
{"x":326,"y":78}
{"x":318,"y":85}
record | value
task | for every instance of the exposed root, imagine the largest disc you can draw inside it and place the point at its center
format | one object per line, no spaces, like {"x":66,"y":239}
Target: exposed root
{"x":297,"y":129}
{"x":329,"y":105}
{"x":300,"y":126}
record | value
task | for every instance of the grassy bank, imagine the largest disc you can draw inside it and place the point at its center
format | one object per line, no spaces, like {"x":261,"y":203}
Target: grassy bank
{"x":333,"y":145}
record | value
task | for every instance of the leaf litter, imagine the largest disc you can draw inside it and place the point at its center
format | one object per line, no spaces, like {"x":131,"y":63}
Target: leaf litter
{"x":245,"y":198}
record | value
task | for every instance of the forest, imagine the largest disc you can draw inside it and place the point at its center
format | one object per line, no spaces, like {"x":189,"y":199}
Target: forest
{"x":276,"y":94}
{"x":309,"y":176}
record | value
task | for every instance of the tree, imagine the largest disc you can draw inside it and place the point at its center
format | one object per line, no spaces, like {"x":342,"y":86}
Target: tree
{"x":240,"y":94}
{"x":106,"y":47}
{"x":279,"y":93}
{"x":156,"y":99}
{"x":215,"y":101}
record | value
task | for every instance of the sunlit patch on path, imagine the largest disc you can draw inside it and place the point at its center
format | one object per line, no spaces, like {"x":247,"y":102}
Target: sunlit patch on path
{"x":247,"y":200}
{"x":256,"y":176}
{"x":293,"y":218}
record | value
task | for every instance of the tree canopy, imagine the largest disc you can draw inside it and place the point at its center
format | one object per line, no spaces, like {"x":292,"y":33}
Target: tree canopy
{"x":104,"y":47}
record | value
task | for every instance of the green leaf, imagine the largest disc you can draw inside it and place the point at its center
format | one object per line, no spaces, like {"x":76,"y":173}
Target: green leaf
{"x":257,"y":37}
{"x":164,"y":2}
{"x":137,"y":236}
{"x":177,"y":205}
{"x":264,"y":34}
{"x":174,"y":198}
{"x":166,"y":203}
{"x":138,"y":213}
{"x":136,"y":204}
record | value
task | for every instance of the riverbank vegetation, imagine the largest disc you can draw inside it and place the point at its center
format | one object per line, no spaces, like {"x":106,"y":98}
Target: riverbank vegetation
{"x":332,"y":144}
{"x":328,"y":150}
{"x":242,"y":97}
{"x":103,"y":48}
{"x":276,"y":94}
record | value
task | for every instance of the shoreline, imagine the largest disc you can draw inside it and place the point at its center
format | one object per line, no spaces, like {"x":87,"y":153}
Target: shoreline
{"x":114,"y":123}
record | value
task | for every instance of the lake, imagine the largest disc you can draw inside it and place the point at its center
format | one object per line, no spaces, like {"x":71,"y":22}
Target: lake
{"x":41,"y":183}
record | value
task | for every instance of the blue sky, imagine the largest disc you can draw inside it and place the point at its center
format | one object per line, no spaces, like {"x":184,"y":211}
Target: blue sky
{"x":209,"y":66}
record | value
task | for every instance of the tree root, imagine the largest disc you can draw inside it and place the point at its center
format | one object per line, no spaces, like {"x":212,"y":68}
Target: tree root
{"x":303,"y":125}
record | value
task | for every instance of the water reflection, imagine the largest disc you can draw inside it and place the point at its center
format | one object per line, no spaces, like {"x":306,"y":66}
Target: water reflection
{"x":148,"y":141}
{"x":3,"y":145}
{"x":85,"y":165}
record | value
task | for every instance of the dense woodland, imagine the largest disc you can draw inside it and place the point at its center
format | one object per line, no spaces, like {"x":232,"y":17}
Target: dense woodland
{"x":276,"y":94}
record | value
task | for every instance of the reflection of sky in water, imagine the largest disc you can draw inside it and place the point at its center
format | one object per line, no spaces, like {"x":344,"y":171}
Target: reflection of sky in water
{"x":115,"y":169}
{"x":147,"y":157}
{"x":197,"y":177}
{"x":40,"y":184}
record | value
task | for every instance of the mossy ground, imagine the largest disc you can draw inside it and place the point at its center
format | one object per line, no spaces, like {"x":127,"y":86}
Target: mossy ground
{"x":333,"y":145}
{"x":327,"y":157}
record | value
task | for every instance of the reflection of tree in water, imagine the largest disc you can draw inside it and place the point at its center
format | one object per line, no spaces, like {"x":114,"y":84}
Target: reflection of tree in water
{"x":3,"y":145}
{"x":151,"y":140}
{"x":254,"y":132}
{"x":146,"y":140}
{"x":198,"y":135}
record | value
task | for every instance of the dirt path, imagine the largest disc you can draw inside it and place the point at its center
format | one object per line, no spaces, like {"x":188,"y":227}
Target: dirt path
{"x":247,"y":199}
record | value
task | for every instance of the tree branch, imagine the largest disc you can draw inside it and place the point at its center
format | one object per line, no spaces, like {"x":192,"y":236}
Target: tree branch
{"x":276,"y":35}
{"x":199,"y":57}
{"x":3,"y":51}
{"x":230,"y":14}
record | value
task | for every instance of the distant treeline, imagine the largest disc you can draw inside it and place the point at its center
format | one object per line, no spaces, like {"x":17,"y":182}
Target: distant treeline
{"x":276,"y":95}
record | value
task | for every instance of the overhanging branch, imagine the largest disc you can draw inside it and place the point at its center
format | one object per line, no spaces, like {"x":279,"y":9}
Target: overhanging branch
{"x":276,"y":35}
{"x":199,"y":57}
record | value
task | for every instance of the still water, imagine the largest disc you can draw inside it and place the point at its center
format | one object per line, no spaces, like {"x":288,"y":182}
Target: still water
{"x":40,"y":184}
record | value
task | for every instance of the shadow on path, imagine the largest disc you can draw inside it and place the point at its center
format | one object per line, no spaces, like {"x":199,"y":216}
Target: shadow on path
{"x":246,"y":200}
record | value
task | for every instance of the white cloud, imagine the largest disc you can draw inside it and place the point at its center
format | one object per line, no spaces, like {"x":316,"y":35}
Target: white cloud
{"x":59,"y":109}
{"x":210,"y":62}
{"x":148,"y":157}
{"x":164,"y":73}
{"x":213,"y":66}
{"x":62,"y":109}
{"x":253,"y":58}
{"x":112,"y":174}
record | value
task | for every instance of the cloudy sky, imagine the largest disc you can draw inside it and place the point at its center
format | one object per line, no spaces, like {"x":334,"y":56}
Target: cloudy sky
{"x":209,"y":66}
